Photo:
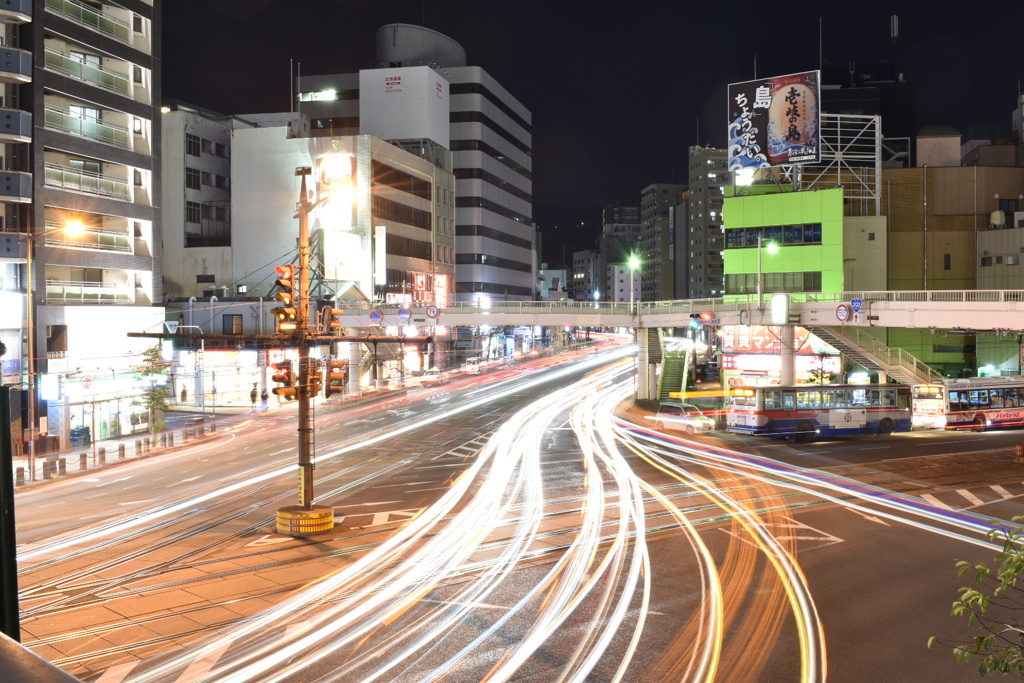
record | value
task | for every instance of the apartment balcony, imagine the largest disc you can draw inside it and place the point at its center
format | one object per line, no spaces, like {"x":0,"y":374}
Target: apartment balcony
{"x":58,"y":292}
{"x":91,"y":18}
{"x":15,"y":125}
{"x":15,"y":186}
{"x":15,"y":65}
{"x":92,"y":238}
{"x":106,"y":133}
{"x":66,"y":65}
{"x":15,"y":11}
{"x":88,"y":182}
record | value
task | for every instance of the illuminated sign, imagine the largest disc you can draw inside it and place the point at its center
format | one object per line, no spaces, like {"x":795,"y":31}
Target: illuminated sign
{"x":774,"y":121}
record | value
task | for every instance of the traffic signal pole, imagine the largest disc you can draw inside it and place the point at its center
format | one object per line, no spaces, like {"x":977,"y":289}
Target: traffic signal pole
{"x":305,"y":518}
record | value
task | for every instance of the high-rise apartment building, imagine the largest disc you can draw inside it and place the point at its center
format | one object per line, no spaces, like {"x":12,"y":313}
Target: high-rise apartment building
{"x":704,"y":239}
{"x":658,"y":240}
{"x":80,"y":141}
{"x":420,"y":76}
{"x":620,"y":237}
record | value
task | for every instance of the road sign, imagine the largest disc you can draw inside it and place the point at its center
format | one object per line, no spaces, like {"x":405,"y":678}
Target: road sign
{"x":432,"y":311}
{"x":403,"y":314}
{"x":842,"y":313}
{"x":171,"y":325}
{"x":856,"y":305}
{"x":87,"y":382}
{"x":376,"y":316}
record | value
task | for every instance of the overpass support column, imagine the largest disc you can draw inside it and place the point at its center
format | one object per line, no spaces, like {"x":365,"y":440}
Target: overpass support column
{"x":787,"y":375}
{"x":355,"y":368}
{"x":642,"y":361}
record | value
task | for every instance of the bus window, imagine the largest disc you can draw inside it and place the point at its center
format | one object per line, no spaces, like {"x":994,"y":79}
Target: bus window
{"x":1010,"y":398}
{"x":772,"y":400}
{"x":808,"y":399}
{"x":954,"y":400}
{"x":745,"y":398}
{"x":889,"y":397}
{"x":874,"y":397}
{"x":859,"y":397}
{"x":905,"y":402}
{"x":840,"y":398}
{"x":789,"y":400}
{"x":978,"y":399}
{"x":995,"y":398}
{"x":827,"y":399}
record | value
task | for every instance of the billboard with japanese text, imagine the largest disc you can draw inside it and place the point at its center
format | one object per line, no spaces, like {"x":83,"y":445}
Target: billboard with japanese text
{"x":774,"y":121}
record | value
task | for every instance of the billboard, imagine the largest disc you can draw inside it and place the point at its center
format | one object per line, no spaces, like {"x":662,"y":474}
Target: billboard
{"x":774,"y":121}
{"x":404,"y":103}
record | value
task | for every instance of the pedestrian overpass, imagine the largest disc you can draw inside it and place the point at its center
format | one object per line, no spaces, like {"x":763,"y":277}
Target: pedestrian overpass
{"x":843,"y":319}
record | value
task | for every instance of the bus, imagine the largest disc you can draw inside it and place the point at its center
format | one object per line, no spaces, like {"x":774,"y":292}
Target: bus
{"x":807,"y":411}
{"x":976,"y":403}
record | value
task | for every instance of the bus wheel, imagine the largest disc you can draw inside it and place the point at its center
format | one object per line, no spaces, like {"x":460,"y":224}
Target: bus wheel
{"x":885,"y":427}
{"x":979,"y":424}
{"x":804,"y":432}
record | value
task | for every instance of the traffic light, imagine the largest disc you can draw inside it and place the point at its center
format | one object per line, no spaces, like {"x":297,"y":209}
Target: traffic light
{"x":285,"y":376}
{"x":706,"y":317}
{"x":328,"y":324}
{"x":286,"y":314}
{"x":315,"y":382}
{"x":334,"y":377}
{"x":695,"y":321}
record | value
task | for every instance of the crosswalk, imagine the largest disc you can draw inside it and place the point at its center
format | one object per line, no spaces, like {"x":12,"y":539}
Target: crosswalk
{"x":974,"y":497}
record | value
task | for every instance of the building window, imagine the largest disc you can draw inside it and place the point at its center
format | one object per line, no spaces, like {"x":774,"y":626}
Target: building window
{"x":986,"y":261}
{"x":137,"y":74}
{"x":1013,"y":260}
{"x":191,"y":145}
{"x":221,"y":182}
{"x":206,"y":178}
{"x":871,"y":237}
{"x":207,"y":146}
{"x":192,"y":212}
{"x":137,"y":125}
{"x":192,"y":178}
{"x":138,"y":178}
{"x":84,"y":113}
{"x":137,"y":23}
{"x":232,"y":323}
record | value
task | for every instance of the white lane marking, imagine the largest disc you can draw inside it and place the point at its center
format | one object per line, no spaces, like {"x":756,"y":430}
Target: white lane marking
{"x":115,"y":674}
{"x":1003,"y":493}
{"x":935,"y":501}
{"x":135,"y":502}
{"x":974,"y":500}
{"x":269,"y":539}
{"x":200,"y":667}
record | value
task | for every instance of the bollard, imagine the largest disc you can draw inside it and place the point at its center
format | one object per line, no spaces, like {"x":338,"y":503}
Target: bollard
{"x":120,"y":451}
{"x":46,"y":469}
{"x":62,"y":466}
{"x":213,"y":427}
{"x":101,"y":456}
{"x":163,"y":441}
{"x":148,"y":444}
{"x":138,"y":447}
{"x":83,"y":461}
{"x":19,"y":476}
{"x":170,"y":439}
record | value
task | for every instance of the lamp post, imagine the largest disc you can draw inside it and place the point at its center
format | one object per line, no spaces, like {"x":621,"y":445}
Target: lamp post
{"x":73,"y":229}
{"x":633,"y":263}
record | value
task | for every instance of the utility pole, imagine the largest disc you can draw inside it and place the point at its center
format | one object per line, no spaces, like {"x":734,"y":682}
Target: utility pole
{"x":304,"y":518}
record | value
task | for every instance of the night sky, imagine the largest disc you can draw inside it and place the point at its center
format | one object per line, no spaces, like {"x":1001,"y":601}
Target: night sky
{"x":618,"y":91}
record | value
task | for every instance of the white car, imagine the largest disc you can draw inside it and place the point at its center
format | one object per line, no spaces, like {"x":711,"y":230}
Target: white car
{"x":683,"y":417}
{"x":432,"y":375}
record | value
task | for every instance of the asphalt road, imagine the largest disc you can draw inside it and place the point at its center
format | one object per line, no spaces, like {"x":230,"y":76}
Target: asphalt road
{"x":168,"y":568}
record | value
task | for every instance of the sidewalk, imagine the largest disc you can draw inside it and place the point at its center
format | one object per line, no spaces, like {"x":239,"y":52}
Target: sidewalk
{"x":185,"y":426}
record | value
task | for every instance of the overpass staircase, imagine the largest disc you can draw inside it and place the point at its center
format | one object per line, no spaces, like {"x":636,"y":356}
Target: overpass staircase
{"x":871,"y":353}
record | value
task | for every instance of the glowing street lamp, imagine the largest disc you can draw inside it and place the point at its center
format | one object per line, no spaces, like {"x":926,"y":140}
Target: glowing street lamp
{"x":72,"y":228}
{"x":634,"y":264}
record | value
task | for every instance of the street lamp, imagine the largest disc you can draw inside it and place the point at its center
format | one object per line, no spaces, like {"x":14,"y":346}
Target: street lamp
{"x":633,"y":263}
{"x":72,"y":229}
{"x":772,"y":248}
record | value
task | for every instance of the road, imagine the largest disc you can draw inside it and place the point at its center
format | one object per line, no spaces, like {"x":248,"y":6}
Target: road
{"x":517,"y":526}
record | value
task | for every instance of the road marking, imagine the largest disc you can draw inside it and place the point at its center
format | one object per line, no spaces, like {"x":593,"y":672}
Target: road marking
{"x":1003,"y":493}
{"x":287,"y":450}
{"x":136,"y":502}
{"x":115,"y":674}
{"x":380,"y":518}
{"x":870,"y":518}
{"x":200,"y":667}
{"x":974,"y":500}
{"x":338,"y":519}
{"x":439,"y":488}
{"x":935,"y":501}
{"x":269,"y":539}
{"x":185,"y":481}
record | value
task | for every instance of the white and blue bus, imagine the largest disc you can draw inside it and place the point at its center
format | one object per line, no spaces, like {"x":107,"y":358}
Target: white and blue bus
{"x":807,"y":411}
{"x":976,"y":403}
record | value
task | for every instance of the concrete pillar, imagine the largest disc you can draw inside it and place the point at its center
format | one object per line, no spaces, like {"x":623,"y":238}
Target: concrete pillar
{"x":120,"y":451}
{"x":138,"y":447}
{"x":19,"y":476}
{"x":83,"y":461}
{"x":62,"y":466}
{"x":642,"y":360}
{"x":101,"y":456}
{"x":788,"y":352}
{"x":355,"y":368}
